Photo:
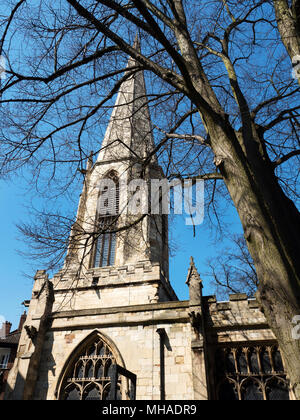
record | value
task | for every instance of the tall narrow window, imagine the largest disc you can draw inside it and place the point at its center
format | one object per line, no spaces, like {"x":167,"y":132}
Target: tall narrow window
{"x":107,"y":215}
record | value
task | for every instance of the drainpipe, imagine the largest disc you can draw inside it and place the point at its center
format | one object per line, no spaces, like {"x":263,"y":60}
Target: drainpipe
{"x":162,"y":333}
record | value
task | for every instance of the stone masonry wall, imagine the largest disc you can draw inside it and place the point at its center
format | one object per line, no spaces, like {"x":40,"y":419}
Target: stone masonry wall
{"x":138,"y":344}
{"x":239,"y":320}
{"x":134,"y":284}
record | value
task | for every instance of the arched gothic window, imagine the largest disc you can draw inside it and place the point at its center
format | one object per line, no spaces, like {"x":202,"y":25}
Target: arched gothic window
{"x":106,"y":223}
{"x":88,"y":377}
{"x":250,"y":373}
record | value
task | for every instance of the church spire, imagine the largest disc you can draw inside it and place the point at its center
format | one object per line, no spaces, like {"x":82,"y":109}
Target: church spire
{"x":129,"y":132}
{"x":131,"y":237}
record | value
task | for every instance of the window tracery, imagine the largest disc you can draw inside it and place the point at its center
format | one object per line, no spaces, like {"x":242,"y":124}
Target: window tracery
{"x":250,"y":373}
{"x":89,"y":376}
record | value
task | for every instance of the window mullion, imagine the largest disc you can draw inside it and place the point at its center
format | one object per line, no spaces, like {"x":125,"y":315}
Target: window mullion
{"x":109,"y":246}
{"x":102,"y":250}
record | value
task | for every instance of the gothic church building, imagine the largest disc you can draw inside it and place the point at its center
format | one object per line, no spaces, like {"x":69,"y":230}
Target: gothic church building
{"x":109,"y":324}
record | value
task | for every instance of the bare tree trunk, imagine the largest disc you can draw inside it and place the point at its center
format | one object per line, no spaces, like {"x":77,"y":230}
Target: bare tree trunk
{"x":270,"y":220}
{"x":288,"y":22}
{"x":271,"y":227}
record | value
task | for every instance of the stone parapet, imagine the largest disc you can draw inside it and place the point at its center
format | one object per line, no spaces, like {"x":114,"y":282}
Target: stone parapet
{"x":137,"y":283}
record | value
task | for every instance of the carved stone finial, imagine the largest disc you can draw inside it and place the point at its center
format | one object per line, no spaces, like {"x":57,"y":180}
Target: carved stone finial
{"x":193,"y":273}
{"x":137,"y":42}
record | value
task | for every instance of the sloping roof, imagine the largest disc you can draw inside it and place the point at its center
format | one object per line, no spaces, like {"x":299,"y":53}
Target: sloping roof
{"x":11,"y":340}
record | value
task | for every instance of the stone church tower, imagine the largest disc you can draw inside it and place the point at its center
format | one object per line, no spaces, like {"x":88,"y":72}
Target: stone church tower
{"x":109,"y":325}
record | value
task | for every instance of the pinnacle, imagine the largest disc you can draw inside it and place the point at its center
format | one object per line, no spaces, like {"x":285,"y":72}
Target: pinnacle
{"x":193,"y":272}
{"x":137,"y":43}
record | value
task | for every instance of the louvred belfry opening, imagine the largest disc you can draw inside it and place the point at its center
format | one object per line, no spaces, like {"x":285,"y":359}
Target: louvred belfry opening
{"x":107,"y":220}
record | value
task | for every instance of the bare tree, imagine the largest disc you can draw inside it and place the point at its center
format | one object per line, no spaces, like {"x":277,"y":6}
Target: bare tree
{"x":233,"y":270}
{"x":222,"y":80}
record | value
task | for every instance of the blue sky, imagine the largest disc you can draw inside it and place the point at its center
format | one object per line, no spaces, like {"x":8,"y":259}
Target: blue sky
{"x":16,"y":286}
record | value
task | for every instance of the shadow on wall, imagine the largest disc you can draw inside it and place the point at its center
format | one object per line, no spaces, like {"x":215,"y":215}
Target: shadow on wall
{"x":47,"y":359}
{"x":16,"y":393}
{"x":40,"y":391}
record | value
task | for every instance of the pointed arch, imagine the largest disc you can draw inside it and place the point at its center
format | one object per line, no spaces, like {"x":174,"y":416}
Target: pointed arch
{"x":277,"y":389}
{"x":81,"y":378}
{"x":252,"y":389}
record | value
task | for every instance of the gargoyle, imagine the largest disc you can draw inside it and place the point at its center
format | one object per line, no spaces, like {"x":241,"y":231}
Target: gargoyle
{"x":195,"y":319}
{"x":31,"y":331}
